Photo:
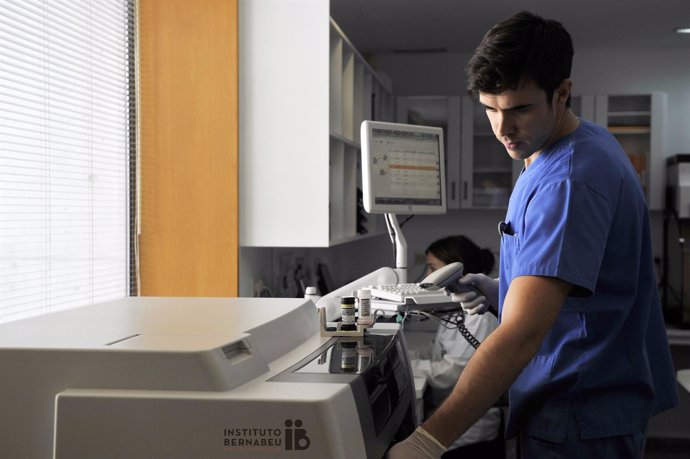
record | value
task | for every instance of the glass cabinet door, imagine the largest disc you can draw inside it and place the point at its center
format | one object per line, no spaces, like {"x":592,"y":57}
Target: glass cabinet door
{"x":637,"y":121}
{"x":488,"y":172}
{"x":487,"y":169}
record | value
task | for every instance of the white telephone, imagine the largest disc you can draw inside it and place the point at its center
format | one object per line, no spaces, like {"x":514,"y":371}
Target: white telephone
{"x":445,"y":277}
{"x":428,"y":291}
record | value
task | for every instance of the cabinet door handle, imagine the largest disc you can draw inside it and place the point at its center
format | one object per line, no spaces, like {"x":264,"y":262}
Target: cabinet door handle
{"x":464,"y":191}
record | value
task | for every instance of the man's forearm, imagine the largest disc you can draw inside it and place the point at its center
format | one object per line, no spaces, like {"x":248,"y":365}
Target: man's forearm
{"x":495,"y":365}
{"x":532,"y":304}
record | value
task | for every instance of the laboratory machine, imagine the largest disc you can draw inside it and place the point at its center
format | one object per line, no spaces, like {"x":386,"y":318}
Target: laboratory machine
{"x":146,"y":378}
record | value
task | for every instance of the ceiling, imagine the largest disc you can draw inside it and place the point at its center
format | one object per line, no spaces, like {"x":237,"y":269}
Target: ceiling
{"x":380,"y":26}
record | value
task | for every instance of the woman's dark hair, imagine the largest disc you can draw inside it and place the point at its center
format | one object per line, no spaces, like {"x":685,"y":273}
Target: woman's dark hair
{"x":524,"y":46}
{"x":462,"y":249}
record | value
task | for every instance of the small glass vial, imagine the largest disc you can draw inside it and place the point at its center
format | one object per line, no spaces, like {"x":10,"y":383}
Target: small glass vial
{"x":347,"y":308}
{"x":364,"y":300}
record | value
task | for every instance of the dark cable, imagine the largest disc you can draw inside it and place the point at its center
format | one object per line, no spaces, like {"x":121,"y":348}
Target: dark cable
{"x":409,"y":217}
{"x":449,"y":319}
{"x":458,"y":320}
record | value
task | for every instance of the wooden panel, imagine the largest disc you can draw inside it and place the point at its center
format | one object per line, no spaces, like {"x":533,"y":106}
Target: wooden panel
{"x":188,"y":245}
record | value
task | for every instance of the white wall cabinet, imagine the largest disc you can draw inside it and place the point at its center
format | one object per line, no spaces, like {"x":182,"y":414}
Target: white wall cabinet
{"x":638,"y":121}
{"x":443,"y":112}
{"x":304,"y":91}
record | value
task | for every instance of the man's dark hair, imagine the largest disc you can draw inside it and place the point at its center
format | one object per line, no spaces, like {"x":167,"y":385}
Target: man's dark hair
{"x":524,"y":46}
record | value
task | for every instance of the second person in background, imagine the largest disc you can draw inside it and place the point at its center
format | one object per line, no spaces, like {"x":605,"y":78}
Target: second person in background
{"x":442,"y":361}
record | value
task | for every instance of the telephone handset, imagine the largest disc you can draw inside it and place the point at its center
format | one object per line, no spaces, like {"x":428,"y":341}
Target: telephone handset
{"x":445,"y":277}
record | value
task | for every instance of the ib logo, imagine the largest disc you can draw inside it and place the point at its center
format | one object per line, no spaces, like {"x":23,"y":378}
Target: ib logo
{"x":296,"y":439}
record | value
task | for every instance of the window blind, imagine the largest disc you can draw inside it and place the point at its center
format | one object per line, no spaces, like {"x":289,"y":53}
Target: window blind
{"x":66,"y":153}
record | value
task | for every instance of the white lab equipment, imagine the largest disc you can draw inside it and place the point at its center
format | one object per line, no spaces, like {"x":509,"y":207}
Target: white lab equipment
{"x":403,"y":172}
{"x":403,"y":168}
{"x":199,"y":377}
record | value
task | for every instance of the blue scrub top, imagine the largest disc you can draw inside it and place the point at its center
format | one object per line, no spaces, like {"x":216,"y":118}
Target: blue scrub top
{"x":578,"y":213}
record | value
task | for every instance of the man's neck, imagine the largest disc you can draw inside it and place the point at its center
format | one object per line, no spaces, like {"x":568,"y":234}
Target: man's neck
{"x":566,"y":124}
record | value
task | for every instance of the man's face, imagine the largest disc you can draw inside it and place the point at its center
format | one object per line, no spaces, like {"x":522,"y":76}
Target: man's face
{"x":523,"y":120}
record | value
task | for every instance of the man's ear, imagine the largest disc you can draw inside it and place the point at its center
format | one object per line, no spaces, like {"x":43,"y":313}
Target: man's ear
{"x":562,"y":92}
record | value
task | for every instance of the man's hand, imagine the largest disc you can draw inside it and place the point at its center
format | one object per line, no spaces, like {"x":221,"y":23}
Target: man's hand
{"x":420,"y":445}
{"x":472,"y":301}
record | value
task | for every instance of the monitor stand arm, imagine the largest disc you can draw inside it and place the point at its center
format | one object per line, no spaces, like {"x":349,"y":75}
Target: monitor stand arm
{"x":400,"y":243}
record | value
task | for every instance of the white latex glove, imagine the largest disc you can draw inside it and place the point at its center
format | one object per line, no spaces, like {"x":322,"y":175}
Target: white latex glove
{"x":420,"y":445}
{"x":472,"y":301}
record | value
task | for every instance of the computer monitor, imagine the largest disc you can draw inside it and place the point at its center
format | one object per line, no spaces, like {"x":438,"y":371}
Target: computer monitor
{"x":403,"y":168}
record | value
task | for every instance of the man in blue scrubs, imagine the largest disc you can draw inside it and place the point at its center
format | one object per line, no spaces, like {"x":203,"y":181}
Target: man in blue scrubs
{"x":581,"y":346}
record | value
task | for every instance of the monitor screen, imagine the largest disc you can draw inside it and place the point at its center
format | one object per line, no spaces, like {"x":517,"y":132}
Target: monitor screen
{"x":403,"y":168}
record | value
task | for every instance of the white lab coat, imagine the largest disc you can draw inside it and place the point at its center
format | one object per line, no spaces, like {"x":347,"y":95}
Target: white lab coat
{"x":442,"y":361}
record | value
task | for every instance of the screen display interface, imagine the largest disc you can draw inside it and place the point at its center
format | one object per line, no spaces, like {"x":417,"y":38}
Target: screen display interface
{"x":405,"y":168}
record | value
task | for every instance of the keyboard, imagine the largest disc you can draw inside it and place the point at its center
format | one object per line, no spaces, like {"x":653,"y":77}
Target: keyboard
{"x":406,"y":293}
